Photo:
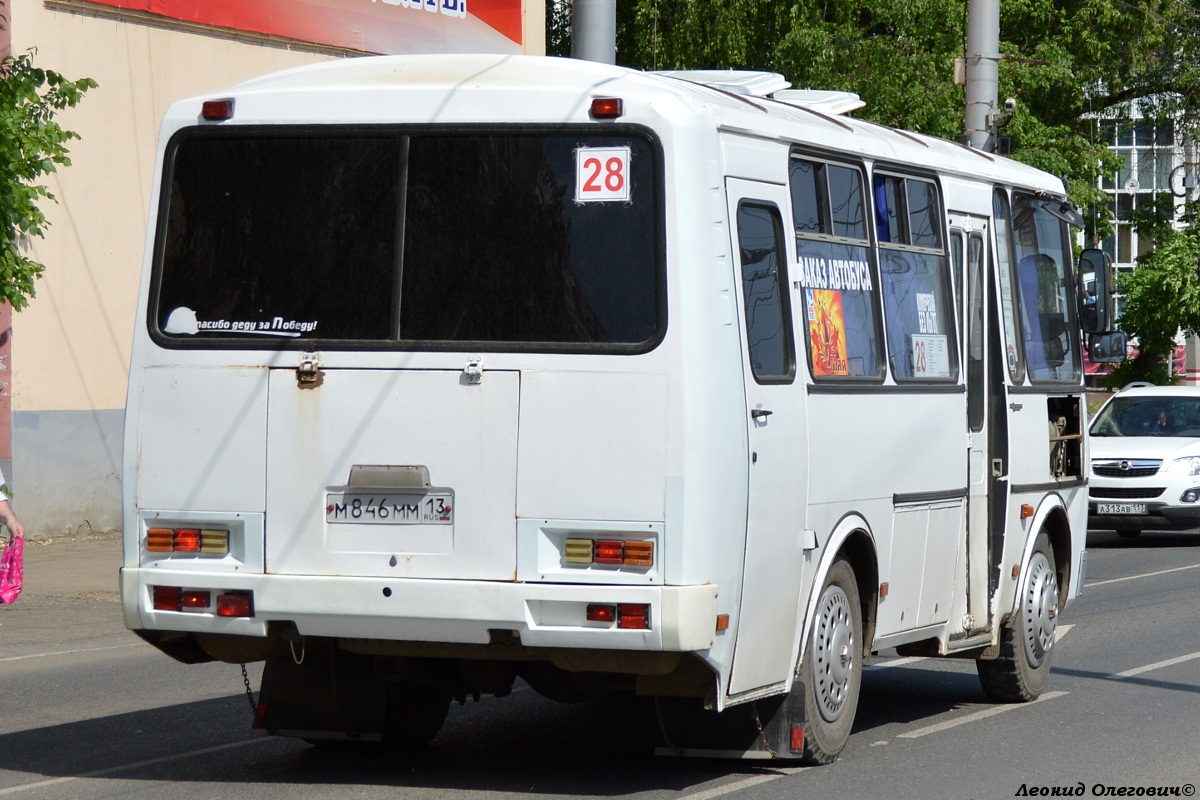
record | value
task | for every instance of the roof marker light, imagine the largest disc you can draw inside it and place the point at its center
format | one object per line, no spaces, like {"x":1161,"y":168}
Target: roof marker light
{"x":607,"y":107}
{"x":217,"y":110}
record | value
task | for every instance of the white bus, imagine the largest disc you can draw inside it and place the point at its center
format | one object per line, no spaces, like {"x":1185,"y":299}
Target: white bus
{"x":453,"y":371}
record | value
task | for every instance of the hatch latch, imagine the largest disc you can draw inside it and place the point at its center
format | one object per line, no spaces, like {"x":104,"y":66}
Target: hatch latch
{"x":308,"y":373}
{"x":473,"y":372}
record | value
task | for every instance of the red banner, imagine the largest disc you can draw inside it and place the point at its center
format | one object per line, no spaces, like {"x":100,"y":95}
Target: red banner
{"x":371,"y":26}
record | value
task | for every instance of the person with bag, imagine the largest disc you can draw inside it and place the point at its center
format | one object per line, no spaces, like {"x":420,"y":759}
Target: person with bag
{"x":11,"y":562}
{"x":7,"y":515}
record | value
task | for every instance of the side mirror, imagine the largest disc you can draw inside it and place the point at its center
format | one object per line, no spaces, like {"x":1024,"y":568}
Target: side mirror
{"x":1107,"y":348}
{"x":1096,"y":301}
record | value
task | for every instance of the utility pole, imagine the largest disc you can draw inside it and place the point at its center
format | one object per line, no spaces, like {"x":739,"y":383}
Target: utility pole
{"x":982,"y":73}
{"x":594,"y":30}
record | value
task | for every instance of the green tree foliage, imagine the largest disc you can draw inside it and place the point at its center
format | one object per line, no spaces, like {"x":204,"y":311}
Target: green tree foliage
{"x":32,"y":145}
{"x":1161,"y":296}
{"x":1066,"y":62}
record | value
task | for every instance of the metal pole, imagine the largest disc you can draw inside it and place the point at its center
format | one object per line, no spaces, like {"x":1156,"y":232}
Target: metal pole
{"x":594,"y":30}
{"x":983,"y":72}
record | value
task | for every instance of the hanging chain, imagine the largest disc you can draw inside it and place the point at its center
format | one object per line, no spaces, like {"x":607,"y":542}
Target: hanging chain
{"x":662,"y":724}
{"x":249,"y":691}
{"x":761,"y":733}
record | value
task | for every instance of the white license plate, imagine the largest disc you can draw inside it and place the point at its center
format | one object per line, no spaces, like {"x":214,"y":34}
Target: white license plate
{"x":390,"y":508}
{"x":1120,"y":508}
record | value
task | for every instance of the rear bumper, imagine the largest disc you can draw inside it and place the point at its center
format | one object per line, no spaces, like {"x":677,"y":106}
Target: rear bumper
{"x":682,"y":618}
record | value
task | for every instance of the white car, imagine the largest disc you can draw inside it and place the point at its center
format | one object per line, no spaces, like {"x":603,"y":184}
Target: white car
{"x":1145,"y":453}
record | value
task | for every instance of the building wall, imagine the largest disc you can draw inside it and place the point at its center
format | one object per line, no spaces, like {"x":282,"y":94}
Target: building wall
{"x":71,"y":346}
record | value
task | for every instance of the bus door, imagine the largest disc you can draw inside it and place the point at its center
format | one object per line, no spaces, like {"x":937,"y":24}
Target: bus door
{"x":984,"y":389}
{"x":774,"y":560}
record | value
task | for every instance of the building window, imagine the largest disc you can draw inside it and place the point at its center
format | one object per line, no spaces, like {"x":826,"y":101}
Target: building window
{"x":1149,"y":153}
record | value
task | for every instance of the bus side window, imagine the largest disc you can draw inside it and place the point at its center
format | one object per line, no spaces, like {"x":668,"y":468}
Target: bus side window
{"x":836,"y":270}
{"x":918,"y":298}
{"x":764,"y":293}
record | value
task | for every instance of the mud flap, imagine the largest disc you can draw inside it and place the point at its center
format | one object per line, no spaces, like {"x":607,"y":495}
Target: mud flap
{"x":769,"y":728}
{"x":321,"y":692}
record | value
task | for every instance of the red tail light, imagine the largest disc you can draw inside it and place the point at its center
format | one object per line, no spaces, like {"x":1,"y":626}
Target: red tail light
{"x":194,"y":599}
{"x":167,"y":598}
{"x":187,"y":540}
{"x":609,"y":551}
{"x":635,"y":616}
{"x":598,"y":612}
{"x":235,"y":604}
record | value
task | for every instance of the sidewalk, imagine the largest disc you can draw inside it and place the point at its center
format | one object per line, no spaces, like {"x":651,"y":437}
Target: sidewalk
{"x":71,"y":595}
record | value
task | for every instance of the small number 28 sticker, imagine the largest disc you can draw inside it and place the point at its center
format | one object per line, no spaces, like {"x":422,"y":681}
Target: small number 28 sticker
{"x":601,"y":174}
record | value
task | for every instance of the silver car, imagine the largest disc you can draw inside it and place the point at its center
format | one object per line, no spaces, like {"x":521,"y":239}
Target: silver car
{"x":1145,"y":453}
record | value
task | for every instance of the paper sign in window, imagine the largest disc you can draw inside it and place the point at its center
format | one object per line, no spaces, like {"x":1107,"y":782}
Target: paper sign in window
{"x":931,"y":359}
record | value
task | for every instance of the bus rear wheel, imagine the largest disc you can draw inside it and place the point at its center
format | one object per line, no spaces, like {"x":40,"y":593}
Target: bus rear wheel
{"x":1019,"y":675}
{"x":833,"y":677}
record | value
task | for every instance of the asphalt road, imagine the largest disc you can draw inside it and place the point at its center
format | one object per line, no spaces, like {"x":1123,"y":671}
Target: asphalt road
{"x":87,"y":711}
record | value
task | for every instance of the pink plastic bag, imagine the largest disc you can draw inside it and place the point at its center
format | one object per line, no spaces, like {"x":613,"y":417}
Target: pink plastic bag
{"x":12,"y":571}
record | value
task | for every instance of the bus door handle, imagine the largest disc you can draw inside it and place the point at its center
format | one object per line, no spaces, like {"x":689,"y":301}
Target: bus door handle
{"x":760,"y":413}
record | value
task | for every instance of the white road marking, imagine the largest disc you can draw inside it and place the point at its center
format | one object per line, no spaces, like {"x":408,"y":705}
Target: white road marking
{"x":1093,"y":584}
{"x":47,"y":653}
{"x":737,"y":786}
{"x":1170,"y":662}
{"x":100,"y":773}
{"x":978,"y":715}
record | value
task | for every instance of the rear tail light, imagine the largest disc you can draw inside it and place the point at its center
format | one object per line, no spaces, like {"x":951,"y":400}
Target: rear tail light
{"x":630,"y":616}
{"x":631,"y":553}
{"x":634,"y":616}
{"x":167,"y":598}
{"x":229,"y":604}
{"x":160,"y":540}
{"x":577,"y":551}
{"x":609,"y":551}
{"x":195,"y":599}
{"x":187,"y":540}
{"x":639,"y":554}
{"x":214,"y":542}
{"x":599,"y":612}
{"x":235,"y":604}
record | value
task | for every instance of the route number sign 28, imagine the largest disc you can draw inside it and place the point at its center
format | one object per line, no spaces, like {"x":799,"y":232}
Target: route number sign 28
{"x":601,"y":174}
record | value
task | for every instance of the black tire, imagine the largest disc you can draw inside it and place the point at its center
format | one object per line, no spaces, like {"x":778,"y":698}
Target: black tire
{"x":414,"y":715}
{"x":1027,"y":642}
{"x":833,"y":667}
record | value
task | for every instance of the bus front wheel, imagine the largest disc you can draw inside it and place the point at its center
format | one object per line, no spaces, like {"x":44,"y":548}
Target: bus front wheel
{"x":1019,"y":674}
{"x":833,"y":678}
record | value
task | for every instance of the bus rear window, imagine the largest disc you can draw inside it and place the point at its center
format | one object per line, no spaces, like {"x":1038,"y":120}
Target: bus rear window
{"x":420,"y":239}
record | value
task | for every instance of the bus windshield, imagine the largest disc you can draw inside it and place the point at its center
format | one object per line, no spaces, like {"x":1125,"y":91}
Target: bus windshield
{"x":409,"y":239}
